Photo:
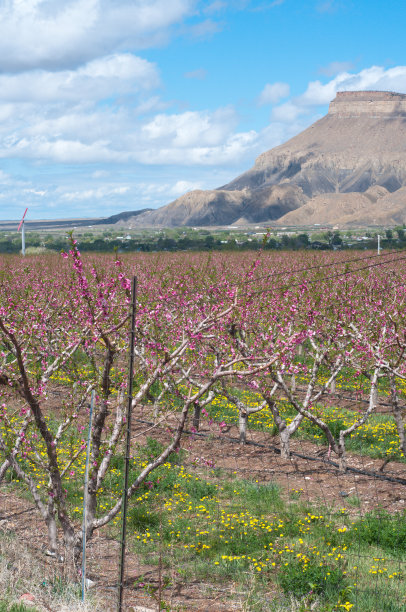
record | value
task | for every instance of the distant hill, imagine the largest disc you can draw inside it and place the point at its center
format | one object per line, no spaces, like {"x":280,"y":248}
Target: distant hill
{"x":69,"y":224}
{"x":347,"y":169}
{"x":123,"y":216}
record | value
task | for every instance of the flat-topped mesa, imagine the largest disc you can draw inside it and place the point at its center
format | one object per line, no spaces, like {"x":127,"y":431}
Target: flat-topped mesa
{"x":339,"y":171}
{"x":371,"y":103}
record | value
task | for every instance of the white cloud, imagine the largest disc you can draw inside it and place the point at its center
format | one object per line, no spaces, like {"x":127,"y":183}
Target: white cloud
{"x":66,"y":131}
{"x":97,"y":174}
{"x":36,"y":192}
{"x":96,"y":194}
{"x":199,"y":74}
{"x":181,"y":187}
{"x":152,"y":191}
{"x":215,"y":7}
{"x":334,"y":68}
{"x":87,"y":134}
{"x":116,"y":74}
{"x":7,"y":111}
{"x":137,"y":137}
{"x":273,"y":93}
{"x":121,"y":67}
{"x":86,"y":125}
{"x":231,"y":151}
{"x":204,"y":29}
{"x":376,"y":77}
{"x":319,"y":94}
{"x":67,"y":105}
{"x":191,"y":128}
{"x":266,"y":6}
{"x":287,"y":112}
{"x":329,"y":6}
{"x":4,"y":177}
{"x":149,"y":105}
{"x":61,"y":151}
{"x":54,"y":34}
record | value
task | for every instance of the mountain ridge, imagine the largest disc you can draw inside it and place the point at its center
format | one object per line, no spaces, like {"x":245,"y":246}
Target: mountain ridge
{"x":358,"y":145}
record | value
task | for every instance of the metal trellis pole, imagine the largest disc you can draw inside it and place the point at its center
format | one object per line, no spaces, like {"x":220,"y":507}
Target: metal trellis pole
{"x":128,"y":442}
{"x":85,"y":498}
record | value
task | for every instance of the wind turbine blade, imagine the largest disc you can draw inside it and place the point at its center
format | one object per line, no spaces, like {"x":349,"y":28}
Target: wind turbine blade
{"x":21,"y":222}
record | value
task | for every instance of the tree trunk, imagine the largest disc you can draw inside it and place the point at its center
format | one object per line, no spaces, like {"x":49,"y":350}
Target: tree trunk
{"x":397,"y":414}
{"x":3,"y":469}
{"x":342,"y":460}
{"x":242,"y":423}
{"x":284,"y":436}
{"x":293,"y":383}
{"x":77,"y":551}
{"x":196,"y":416}
{"x":52,"y":531}
{"x":375,"y":396}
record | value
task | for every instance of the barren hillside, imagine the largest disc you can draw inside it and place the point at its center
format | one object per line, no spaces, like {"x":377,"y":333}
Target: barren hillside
{"x":344,"y":169}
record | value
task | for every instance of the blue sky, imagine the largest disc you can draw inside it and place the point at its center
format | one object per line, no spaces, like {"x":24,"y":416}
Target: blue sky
{"x":113,"y":105}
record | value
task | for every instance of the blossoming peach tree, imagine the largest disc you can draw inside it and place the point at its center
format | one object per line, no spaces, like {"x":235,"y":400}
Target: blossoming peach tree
{"x":63,"y":333}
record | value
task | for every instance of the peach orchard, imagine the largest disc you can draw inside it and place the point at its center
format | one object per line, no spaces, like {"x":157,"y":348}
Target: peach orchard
{"x":209,"y":326}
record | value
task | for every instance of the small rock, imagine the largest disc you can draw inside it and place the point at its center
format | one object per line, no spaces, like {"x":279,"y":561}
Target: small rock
{"x":28,"y":599}
{"x":344,"y":494}
{"x":90,"y":583}
{"x":140,"y":609}
{"x":50,"y":553}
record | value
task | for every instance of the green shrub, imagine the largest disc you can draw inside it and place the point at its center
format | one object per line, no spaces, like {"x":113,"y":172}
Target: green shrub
{"x":6,"y":607}
{"x":141,"y":519}
{"x":383,"y":529}
{"x":197,"y":489}
{"x":298,"y":578}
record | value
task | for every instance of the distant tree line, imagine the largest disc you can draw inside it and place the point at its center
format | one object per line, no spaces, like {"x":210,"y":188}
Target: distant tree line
{"x":203,"y":240}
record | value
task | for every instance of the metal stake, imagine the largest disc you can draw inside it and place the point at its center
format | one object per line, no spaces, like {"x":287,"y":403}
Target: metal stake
{"x":128,"y":442}
{"x":85,"y":498}
{"x":23,"y":238}
{"x":21,"y":226}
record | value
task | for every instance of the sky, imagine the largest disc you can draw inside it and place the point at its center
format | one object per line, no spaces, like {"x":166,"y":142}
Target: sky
{"x":115,"y":105}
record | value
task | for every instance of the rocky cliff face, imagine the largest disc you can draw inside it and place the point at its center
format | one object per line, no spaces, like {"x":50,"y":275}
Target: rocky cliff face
{"x":359,"y":145}
{"x":372,"y":103}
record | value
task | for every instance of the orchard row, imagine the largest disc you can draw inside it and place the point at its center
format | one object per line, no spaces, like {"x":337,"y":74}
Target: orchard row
{"x":245,"y":329}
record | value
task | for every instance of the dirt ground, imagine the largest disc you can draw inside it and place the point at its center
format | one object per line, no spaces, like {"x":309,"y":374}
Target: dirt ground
{"x":318,"y":483}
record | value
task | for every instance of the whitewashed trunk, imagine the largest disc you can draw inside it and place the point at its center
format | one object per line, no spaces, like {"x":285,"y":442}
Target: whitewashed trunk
{"x":397,"y":415}
{"x":242,"y":424}
{"x":284,"y":436}
{"x":342,"y":459}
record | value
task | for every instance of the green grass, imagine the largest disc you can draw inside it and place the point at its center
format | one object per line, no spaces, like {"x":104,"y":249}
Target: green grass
{"x":211,"y":526}
{"x":6,"y":606}
{"x":244,"y":532}
{"x":230,"y":530}
{"x":299,"y":579}
{"x":384,"y":530}
{"x":377,"y":438}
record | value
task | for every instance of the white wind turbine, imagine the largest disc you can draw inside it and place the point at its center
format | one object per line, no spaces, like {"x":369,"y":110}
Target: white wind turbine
{"x":22,"y":232}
